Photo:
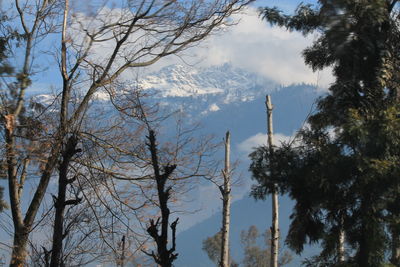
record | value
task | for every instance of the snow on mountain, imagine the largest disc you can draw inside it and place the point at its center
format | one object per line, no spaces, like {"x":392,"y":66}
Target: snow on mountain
{"x":233,"y":83}
{"x":202,"y":91}
{"x":195,"y":90}
{"x":223,"y":98}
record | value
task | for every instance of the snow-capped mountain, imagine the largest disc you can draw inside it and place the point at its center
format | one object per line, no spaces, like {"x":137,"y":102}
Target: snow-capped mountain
{"x":179,"y":87}
{"x":228,"y":98}
{"x":223,"y":98}
{"x":185,"y":81}
{"x":193,"y":89}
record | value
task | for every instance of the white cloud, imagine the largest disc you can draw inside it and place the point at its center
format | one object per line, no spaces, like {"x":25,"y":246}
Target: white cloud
{"x":254,"y":45}
{"x":251,"y":44}
{"x":206,"y":203}
{"x":260,"y":139}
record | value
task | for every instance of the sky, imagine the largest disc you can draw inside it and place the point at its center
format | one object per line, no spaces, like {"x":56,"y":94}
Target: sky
{"x":251,"y":44}
{"x":254,"y":45}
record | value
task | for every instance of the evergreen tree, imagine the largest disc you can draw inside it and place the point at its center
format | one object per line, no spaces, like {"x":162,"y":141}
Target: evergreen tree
{"x":344,"y":171}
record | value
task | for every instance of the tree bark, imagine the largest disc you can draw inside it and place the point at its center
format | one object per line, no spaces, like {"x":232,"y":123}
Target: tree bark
{"x":342,"y":237}
{"x":22,"y":225}
{"x":226,"y":205}
{"x":61,"y":202}
{"x":164,"y":256}
{"x":21,"y":233}
{"x":341,"y":254}
{"x":58,"y":220}
{"x":395,"y":246}
{"x":275,"y":203}
{"x":68,"y":152}
{"x":19,"y":252}
{"x":122,"y":264}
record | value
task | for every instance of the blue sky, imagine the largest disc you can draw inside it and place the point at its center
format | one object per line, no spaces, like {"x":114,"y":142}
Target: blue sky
{"x":251,"y":44}
{"x":254,"y":45}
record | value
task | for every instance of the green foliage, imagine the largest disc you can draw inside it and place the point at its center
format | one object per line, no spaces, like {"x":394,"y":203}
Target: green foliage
{"x":344,"y":171}
{"x":306,"y":18}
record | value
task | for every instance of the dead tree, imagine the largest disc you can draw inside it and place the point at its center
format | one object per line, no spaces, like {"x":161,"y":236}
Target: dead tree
{"x":226,"y":205}
{"x":158,"y":229}
{"x":275,"y":203}
{"x":170,"y":168}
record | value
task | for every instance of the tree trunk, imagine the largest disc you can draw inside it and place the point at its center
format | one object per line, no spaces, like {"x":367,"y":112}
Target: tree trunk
{"x":275,"y":203}
{"x":164,"y":256}
{"x":122,"y":263}
{"x":364,"y":251}
{"x":68,"y":152}
{"x":341,"y":255}
{"x":371,"y":249}
{"x":61,"y":202}
{"x":21,"y":233}
{"x":19,"y":252}
{"x":226,"y":205}
{"x":342,"y":238}
{"x":395,"y":245}
{"x":59,"y":220}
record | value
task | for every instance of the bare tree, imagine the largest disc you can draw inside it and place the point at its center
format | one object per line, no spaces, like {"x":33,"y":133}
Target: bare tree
{"x":226,"y":204}
{"x":61,"y":202}
{"x":172,"y":164}
{"x":224,"y":186}
{"x":164,"y":255}
{"x":16,"y":134}
{"x":222,"y":255}
{"x":137,"y":34}
{"x":68,"y":151}
{"x":275,"y":203}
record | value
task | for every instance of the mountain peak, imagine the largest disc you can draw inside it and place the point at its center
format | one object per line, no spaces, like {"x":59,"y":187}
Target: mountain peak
{"x":186,"y":81}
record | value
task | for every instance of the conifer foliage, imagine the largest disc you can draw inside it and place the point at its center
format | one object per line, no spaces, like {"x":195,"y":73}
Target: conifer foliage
{"x":343,"y":170}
